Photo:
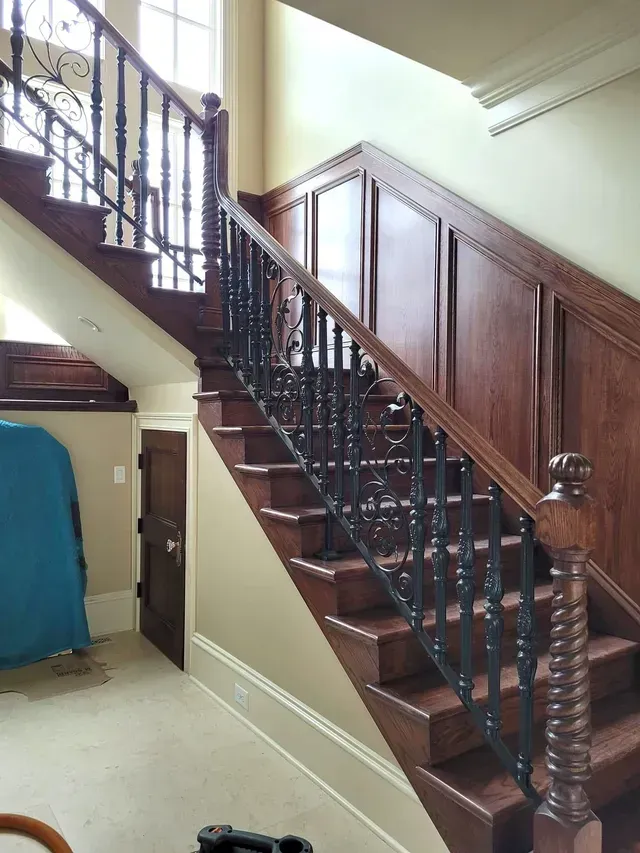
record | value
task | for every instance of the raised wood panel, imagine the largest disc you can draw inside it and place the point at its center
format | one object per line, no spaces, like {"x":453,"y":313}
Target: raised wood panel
{"x":404,"y":279}
{"x":337,"y":239}
{"x":288,"y":224}
{"x":39,"y":371}
{"x":494,"y":351}
{"x":599,"y":412}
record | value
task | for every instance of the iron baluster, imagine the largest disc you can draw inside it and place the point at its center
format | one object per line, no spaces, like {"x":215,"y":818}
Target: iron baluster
{"x":493,"y":620}
{"x":136,"y":196}
{"x":337,"y":428}
{"x":143,"y":162}
{"x":254,"y":320}
{"x":187,"y":205}
{"x":66,"y":182}
{"x":121,"y":144}
{"x":440,"y":541}
{"x":234,"y":288}
{"x":265,"y":332}
{"x":84,"y":164}
{"x":324,"y":410}
{"x":307,"y":384}
{"x":225,"y":275}
{"x":96,"y":107}
{"x":526,"y":660}
{"x":416,"y":525}
{"x":17,"y":51}
{"x":465,"y":574}
{"x":354,"y":430}
{"x":244,"y":303}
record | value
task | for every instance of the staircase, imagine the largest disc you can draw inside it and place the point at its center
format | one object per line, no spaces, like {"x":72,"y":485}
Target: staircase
{"x":452,"y":591}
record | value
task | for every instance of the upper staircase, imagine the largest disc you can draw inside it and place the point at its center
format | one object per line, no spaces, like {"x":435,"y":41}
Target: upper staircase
{"x":452,"y":590}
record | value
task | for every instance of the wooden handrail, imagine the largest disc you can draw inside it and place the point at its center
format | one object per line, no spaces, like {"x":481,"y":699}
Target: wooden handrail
{"x":516,"y":484}
{"x":116,"y":38}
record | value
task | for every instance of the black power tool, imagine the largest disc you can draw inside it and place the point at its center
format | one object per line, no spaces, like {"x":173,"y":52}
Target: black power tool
{"x":225,"y":839}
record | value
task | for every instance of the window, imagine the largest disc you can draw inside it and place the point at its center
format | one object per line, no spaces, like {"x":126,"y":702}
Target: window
{"x":179,"y":39}
{"x":176,"y":216}
{"x":56,"y":21}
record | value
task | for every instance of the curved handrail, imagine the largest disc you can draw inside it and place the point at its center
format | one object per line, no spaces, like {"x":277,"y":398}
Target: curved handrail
{"x":32,"y":828}
{"x":516,"y":484}
{"x":116,"y":38}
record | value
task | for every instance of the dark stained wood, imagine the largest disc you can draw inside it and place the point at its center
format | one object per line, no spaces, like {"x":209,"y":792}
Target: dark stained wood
{"x":252,"y":203}
{"x":162,"y":542}
{"x":49,"y":372}
{"x":9,"y":405}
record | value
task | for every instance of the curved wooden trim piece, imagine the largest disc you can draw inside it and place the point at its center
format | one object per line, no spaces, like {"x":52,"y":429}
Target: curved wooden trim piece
{"x":514,"y":482}
{"x":116,"y":38}
{"x":32,"y":828}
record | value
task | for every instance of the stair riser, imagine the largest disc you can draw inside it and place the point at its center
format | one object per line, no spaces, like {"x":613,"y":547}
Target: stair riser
{"x":27,"y":181}
{"x":405,"y":656}
{"x":307,"y":540}
{"x":234,"y":413}
{"x":364,"y":593}
{"x":89,"y":223}
{"x":454,"y":735}
{"x":219,"y":379}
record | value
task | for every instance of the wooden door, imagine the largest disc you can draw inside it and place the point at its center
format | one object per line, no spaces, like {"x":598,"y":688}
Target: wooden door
{"x":164,"y":503}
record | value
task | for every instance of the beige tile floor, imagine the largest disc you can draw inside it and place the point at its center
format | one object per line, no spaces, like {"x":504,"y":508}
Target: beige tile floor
{"x":140,"y":764}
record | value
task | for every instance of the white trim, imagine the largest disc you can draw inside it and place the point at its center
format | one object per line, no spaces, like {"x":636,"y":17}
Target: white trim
{"x":590,"y":50}
{"x":110,"y":613}
{"x":348,"y":770}
{"x":170,"y":422}
{"x":230,"y":52}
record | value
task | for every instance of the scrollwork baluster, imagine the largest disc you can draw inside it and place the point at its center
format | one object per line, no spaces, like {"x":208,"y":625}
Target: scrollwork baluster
{"x":416,"y":526}
{"x":465,"y":585}
{"x":225,"y":275}
{"x":354,"y":431}
{"x":324,"y":410}
{"x":17,"y":54}
{"x":187,"y":205}
{"x":66,"y":181}
{"x":440,"y":540}
{"x":265,"y":332}
{"x":307,"y":384}
{"x":244,"y":303}
{"x":121,"y":144}
{"x":96,"y":107}
{"x":526,"y":660}
{"x":254,"y":320}
{"x":338,"y":410}
{"x":494,"y":620}
{"x":136,"y":196}
{"x":165,"y":179}
{"x":234,"y":290}
{"x":84,"y":165}
{"x":143,"y":162}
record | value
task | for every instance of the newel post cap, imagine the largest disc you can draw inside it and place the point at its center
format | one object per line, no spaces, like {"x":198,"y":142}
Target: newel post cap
{"x":210,"y":104}
{"x":566,"y":518}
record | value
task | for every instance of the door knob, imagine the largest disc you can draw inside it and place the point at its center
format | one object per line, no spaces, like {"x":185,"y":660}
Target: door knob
{"x":177,"y":547}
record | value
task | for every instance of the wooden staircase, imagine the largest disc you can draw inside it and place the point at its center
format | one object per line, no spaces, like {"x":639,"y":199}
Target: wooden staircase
{"x":465,"y":787}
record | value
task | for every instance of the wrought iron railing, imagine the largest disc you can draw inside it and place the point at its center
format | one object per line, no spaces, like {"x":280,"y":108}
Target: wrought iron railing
{"x":43,"y":110}
{"x":360,"y":423}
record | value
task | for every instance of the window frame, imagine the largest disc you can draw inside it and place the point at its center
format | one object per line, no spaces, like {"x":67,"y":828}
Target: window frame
{"x":214,"y":28}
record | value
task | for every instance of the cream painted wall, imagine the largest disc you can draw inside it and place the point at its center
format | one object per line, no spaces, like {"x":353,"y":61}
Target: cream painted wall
{"x":176,"y":398}
{"x":97,"y":442}
{"x":569,"y":178}
{"x":250,"y":95}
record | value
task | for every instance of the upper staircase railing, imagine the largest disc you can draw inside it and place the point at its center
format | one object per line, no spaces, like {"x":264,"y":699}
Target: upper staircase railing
{"x":307,"y":379}
{"x":43,"y":110}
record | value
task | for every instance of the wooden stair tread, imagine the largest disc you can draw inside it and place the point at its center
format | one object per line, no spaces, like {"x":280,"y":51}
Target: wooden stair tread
{"x":384,"y":625}
{"x":128,"y":253}
{"x":267,"y":429}
{"x":287,"y":469}
{"x":478,"y":782}
{"x":25,"y":158}
{"x":352,"y":565}
{"x":426,"y":696}
{"x":73,"y":205}
{"x":314,"y":514}
{"x":204,"y":396}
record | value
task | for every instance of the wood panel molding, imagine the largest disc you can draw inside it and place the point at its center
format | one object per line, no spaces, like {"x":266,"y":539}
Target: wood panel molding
{"x":50,"y":372}
{"x":517,"y":334}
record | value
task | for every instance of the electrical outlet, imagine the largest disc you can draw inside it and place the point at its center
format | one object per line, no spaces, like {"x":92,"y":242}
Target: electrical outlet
{"x":241,"y":696}
{"x":119,"y":474}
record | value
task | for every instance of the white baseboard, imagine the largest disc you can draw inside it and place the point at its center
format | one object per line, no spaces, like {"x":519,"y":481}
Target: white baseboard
{"x":110,"y":613}
{"x":369,"y":786}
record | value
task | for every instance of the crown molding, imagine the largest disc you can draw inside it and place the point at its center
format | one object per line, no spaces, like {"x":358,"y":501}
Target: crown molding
{"x":588,"y":51}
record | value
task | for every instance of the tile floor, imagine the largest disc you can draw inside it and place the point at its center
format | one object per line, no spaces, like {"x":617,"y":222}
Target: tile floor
{"x":140,"y":764}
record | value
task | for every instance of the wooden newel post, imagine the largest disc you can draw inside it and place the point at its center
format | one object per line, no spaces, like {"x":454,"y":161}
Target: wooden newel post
{"x":210,"y":207}
{"x":566,"y":526}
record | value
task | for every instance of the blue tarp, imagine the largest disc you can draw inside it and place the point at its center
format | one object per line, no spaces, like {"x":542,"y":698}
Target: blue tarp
{"x":42,"y":569}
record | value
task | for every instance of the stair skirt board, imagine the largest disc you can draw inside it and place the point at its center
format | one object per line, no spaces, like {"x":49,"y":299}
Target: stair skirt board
{"x":110,"y":613}
{"x":370,"y":787}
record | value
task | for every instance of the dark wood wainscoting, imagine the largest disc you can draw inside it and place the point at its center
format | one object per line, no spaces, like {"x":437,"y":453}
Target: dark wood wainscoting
{"x":537,"y":354}
{"x":51,"y":372}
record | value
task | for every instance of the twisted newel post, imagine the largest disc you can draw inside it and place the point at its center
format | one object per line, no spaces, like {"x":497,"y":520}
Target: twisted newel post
{"x":566,"y":526}
{"x":210,"y":207}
